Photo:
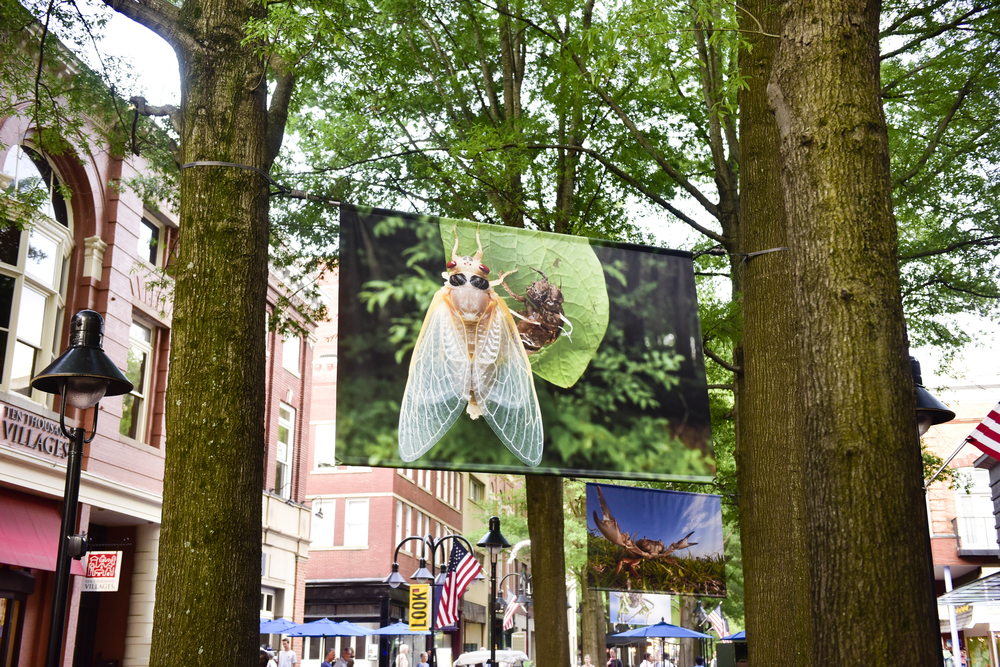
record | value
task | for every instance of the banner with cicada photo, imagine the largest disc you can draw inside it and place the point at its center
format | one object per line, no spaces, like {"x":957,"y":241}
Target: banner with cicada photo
{"x":648,"y":540}
{"x":481,"y":347}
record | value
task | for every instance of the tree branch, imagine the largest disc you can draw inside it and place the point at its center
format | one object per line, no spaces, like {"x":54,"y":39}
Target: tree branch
{"x":160,"y":16}
{"x":277,"y":112}
{"x":936,"y":139}
{"x":924,"y":36}
{"x":722,"y":362}
{"x":985,"y":241}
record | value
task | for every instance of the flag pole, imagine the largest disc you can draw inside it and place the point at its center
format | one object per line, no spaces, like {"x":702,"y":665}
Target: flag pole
{"x":945,"y":464}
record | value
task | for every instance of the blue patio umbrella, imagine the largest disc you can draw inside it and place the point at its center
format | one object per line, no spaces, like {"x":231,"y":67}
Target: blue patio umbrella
{"x":662,"y":629}
{"x":324,"y":627}
{"x":276,"y":626}
{"x":740,"y":636}
{"x":398,"y":629}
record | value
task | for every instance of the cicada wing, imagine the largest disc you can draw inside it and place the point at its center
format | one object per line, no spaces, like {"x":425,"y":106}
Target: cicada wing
{"x":437,"y":389}
{"x":504,"y":386}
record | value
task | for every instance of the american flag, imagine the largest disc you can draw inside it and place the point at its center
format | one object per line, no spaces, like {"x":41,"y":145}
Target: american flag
{"x":718,"y":622}
{"x":508,"y":613}
{"x":462,"y":568}
{"x":986,"y":436}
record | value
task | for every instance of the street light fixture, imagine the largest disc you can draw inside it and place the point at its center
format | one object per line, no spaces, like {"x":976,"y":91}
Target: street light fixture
{"x":930,"y":411}
{"x":82,"y":375}
{"x":423,"y":575}
{"x":494,"y":542}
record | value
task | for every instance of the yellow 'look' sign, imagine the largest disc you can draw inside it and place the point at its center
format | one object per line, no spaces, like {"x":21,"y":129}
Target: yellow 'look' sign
{"x":420,"y":607}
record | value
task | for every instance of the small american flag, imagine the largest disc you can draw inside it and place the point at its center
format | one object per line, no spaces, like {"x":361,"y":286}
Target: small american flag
{"x":718,"y":622}
{"x":462,"y":569}
{"x":986,"y":436}
{"x":508,"y":613}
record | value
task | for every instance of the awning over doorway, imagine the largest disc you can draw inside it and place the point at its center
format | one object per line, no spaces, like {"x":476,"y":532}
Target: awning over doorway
{"x":980,"y":591}
{"x":29,"y":532}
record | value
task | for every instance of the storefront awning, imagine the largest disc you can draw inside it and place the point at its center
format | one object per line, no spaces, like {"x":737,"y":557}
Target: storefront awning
{"x":980,"y":591}
{"x":29,"y":532}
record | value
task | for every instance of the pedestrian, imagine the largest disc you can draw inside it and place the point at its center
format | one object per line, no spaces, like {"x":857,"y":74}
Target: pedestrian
{"x":586,"y":661}
{"x":699,"y":661}
{"x":286,"y":656}
{"x":647,"y":661}
{"x":402,"y":660}
{"x":345,"y":658}
{"x":265,"y":658}
{"x":423,"y":661}
{"x":328,"y":659}
{"x":613,"y":659}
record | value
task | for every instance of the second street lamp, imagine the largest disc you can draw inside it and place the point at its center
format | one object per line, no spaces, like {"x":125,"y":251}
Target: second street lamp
{"x":494,"y":542}
{"x":426,"y":576}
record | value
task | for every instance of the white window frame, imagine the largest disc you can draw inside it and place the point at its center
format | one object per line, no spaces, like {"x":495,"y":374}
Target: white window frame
{"x":354,"y":525}
{"x":54,"y":295}
{"x":399,"y":521}
{"x":140,"y":393}
{"x":325,"y":446}
{"x":474,"y":483}
{"x":283,"y":477}
{"x":327,"y":524}
{"x":291,"y":362}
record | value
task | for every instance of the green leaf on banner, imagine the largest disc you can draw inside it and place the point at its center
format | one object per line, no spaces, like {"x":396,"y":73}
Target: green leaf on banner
{"x":569,"y":263}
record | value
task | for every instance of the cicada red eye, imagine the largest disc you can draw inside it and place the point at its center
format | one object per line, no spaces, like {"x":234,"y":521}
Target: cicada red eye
{"x":485,"y":269}
{"x":452,"y":264}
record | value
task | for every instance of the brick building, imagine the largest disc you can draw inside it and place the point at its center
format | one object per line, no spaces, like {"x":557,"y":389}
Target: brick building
{"x":101,"y":249}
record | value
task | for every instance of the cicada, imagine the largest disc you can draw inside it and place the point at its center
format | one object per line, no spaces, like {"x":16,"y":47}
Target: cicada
{"x":543,"y":318}
{"x":469,"y":356}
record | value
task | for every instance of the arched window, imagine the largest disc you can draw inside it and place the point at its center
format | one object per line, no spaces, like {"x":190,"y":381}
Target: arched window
{"x":35,"y":245}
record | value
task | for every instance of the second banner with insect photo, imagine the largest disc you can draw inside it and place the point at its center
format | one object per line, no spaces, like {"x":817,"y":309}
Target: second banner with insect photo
{"x":480,"y":347}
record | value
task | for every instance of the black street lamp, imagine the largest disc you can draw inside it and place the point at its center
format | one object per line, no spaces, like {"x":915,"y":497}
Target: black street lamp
{"x":523,"y":592}
{"x":930,"y":411}
{"x":494,"y":542}
{"x":82,"y":375}
{"x":425,"y":576}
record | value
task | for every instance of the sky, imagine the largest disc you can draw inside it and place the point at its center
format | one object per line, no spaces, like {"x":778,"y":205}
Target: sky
{"x":662,"y":515}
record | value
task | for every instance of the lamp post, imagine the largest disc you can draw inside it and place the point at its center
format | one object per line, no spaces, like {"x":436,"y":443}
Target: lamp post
{"x":82,"y":375}
{"x":494,"y":542}
{"x":523,"y":591}
{"x":423,"y":575}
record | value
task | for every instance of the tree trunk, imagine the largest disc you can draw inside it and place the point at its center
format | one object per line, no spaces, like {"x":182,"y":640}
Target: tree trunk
{"x":548,"y":569}
{"x":208,"y":585}
{"x":689,"y":646}
{"x":771,"y":503}
{"x":867,"y":546}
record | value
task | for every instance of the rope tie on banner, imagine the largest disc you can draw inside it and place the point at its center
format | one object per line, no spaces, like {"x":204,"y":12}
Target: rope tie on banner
{"x":280,"y":190}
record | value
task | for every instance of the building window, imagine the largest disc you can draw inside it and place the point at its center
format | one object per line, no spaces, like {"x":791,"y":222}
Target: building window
{"x":151,"y":239}
{"x":322,"y":526}
{"x":974,"y":511}
{"x":135,"y":404}
{"x":477,"y":490}
{"x":356,"y":522}
{"x":326,"y":446}
{"x":286,"y":439}
{"x":290,"y":352}
{"x":34,"y":265}
{"x":399,"y":521}
{"x":266,"y":603}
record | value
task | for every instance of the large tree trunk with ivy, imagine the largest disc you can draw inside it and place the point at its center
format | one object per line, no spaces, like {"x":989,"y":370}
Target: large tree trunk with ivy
{"x":863,"y":519}
{"x":548,"y":569}
{"x":771,"y":502}
{"x":208,"y":583}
